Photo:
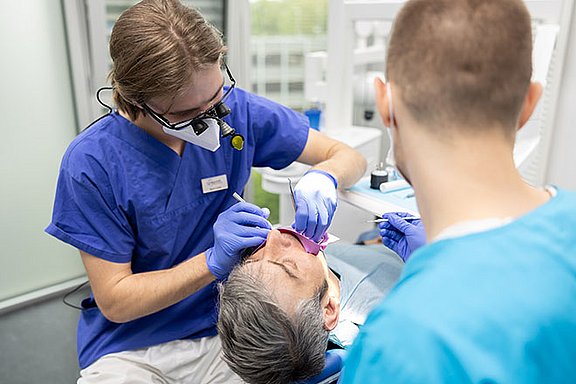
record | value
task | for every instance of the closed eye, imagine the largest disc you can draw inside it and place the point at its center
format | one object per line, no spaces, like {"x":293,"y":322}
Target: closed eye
{"x":285,"y":268}
{"x":290,"y":262}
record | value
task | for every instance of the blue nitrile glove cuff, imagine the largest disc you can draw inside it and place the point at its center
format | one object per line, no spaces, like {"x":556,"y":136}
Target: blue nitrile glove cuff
{"x":213,"y":266}
{"x":241,"y":226}
{"x":325,"y":174}
{"x":316,"y":198}
{"x":401,"y":236}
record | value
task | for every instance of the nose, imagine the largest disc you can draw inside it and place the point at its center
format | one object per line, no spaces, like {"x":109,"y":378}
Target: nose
{"x":275,"y":243}
{"x":276,"y":238}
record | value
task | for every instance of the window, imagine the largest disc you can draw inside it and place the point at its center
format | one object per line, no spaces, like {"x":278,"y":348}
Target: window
{"x":272,"y":88}
{"x":296,"y":87}
{"x":272,"y":60}
{"x":213,"y":10}
{"x":295,"y":60}
{"x":282,"y":33}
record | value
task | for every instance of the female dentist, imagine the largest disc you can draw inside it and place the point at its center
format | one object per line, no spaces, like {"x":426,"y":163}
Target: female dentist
{"x":145,"y":195}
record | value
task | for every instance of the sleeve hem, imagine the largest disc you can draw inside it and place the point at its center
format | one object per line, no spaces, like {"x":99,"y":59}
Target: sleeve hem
{"x":61,"y":235}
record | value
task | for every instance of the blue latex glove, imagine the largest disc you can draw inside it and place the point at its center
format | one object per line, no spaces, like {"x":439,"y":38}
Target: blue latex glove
{"x":316,"y":198}
{"x":241,"y":226}
{"x":401,"y":236}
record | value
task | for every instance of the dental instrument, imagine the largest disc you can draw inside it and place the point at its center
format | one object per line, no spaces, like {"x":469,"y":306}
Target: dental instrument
{"x":238,"y":197}
{"x":292,"y":194}
{"x":407,"y":218}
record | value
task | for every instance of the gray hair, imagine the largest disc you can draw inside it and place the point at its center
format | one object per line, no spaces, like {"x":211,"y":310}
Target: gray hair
{"x":262,"y":343}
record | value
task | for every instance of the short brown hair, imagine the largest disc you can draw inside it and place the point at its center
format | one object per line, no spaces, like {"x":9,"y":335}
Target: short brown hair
{"x":463,"y":62}
{"x":156,"y":46}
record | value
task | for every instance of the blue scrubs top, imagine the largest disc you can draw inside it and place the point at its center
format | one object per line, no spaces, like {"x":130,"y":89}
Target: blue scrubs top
{"x":125,"y":197}
{"x":493,"y":307}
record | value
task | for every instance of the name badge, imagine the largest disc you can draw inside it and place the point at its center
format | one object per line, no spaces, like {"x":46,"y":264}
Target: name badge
{"x":213,"y":184}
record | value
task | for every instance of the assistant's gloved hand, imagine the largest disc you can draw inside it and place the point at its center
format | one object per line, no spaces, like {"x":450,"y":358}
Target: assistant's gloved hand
{"x":316,"y":198}
{"x":401,"y":236}
{"x":241,"y":226}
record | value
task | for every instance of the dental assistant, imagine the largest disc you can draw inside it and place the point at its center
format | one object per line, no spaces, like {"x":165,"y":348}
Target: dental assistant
{"x":492,"y":297}
{"x":145,"y":195}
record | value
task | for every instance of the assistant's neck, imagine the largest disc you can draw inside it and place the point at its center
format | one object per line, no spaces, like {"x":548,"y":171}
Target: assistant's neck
{"x":470,"y":178}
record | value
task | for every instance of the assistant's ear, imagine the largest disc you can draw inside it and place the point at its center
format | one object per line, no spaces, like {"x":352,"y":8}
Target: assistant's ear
{"x":331,"y":312}
{"x":382,"y":100}
{"x":530,"y":102}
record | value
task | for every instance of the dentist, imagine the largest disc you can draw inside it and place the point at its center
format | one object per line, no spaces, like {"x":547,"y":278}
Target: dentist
{"x":145,"y":195}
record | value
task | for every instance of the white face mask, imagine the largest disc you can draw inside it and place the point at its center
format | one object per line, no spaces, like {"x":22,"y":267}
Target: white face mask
{"x":209,"y":139}
{"x":390,"y":156}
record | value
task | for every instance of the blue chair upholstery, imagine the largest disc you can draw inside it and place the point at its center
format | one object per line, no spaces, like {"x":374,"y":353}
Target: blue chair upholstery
{"x":332,"y":368}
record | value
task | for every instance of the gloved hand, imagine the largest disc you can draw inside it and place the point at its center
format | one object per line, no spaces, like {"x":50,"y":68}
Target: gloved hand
{"x":241,"y":226}
{"x":315,"y":197}
{"x":401,"y":236}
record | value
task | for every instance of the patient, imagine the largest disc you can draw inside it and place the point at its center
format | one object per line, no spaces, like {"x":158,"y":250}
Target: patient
{"x":282,"y":305}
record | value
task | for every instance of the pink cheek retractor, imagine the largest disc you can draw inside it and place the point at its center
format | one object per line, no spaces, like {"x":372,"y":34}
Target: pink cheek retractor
{"x":310,"y":246}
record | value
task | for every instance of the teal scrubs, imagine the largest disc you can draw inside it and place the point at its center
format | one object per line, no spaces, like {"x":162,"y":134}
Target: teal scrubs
{"x":497,"y":306}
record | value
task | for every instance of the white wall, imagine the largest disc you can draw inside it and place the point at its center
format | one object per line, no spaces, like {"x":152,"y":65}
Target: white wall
{"x":562,"y":163}
{"x":36,"y":123}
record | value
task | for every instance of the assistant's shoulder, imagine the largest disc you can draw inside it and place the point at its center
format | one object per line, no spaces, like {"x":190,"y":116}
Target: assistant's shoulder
{"x":393,"y":348}
{"x":565,"y":199}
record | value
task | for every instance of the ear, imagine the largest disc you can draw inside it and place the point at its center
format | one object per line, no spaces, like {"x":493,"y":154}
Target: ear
{"x":530,"y":102}
{"x":382,"y":100}
{"x":331,"y":312}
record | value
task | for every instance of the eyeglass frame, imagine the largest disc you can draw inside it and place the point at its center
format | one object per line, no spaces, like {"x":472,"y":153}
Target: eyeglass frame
{"x":211,"y":112}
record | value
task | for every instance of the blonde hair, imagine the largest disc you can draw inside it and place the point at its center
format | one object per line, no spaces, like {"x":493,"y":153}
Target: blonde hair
{"x":464,"y":63}
{"x":156,"y":47}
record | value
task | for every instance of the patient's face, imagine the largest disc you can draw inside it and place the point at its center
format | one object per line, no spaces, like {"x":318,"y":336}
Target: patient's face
{"x":287,"y":269}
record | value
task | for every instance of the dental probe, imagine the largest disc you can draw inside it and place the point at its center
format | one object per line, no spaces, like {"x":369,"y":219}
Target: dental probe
{"x":241,"y":200}
{"x":238,"y":197}
{"x":407,"y":218}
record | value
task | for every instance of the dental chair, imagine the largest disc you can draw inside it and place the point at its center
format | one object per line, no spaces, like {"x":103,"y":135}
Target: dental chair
{"x":331,"y":372}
